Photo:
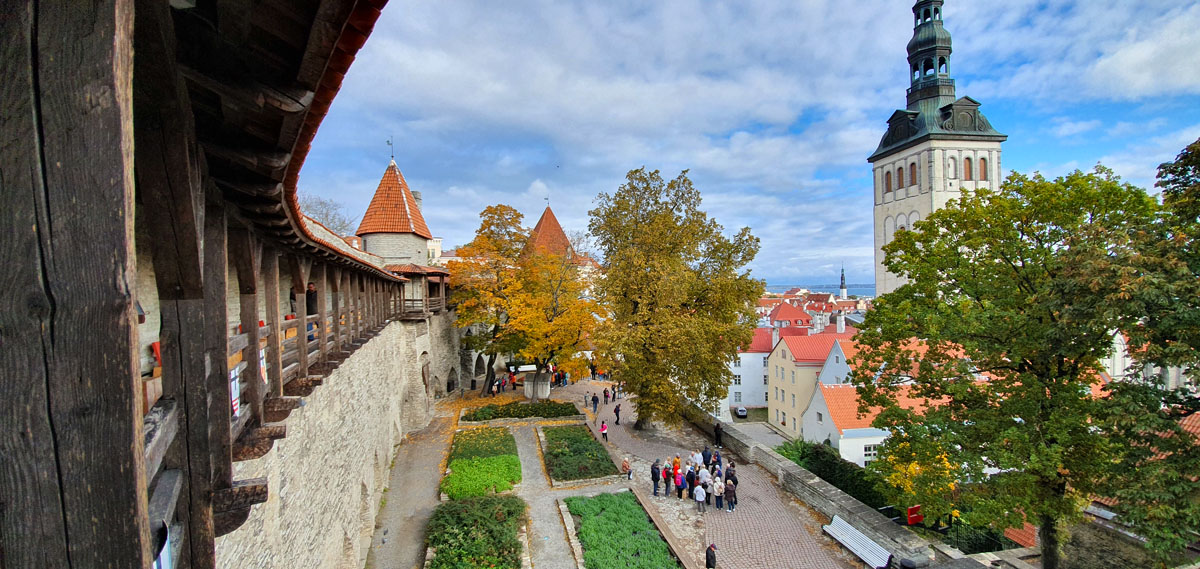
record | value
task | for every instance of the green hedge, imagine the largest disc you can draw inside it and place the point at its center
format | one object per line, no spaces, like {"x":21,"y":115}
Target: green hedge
{"x":616,"y":533}
{"x":476,"y":532}
{"x":572,"y":453}
{"x":478,"y":443}
{"x":825,"y":462}
{"x":517,"y":410}
{"x":478,"y":476}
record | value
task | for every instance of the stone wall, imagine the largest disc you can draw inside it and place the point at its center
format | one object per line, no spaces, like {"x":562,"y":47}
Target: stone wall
{"x":327,"y":477}
{"x":819,"y":494}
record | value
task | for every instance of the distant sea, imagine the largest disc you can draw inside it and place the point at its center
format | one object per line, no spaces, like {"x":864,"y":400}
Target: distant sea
{"x":851,"y":288}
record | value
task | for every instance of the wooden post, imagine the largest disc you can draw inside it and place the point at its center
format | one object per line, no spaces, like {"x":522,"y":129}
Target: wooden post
{"x":300,"y":270}
{"x":318,"y":275}
{"x":356,"y":283}
{"x":270,"y":284}
{"x":246,"y":252}
{"x":68,"y":398}
{"x":335,"y":287}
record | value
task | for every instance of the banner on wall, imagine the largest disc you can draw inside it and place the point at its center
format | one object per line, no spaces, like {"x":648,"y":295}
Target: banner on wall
{"x":235,"y":391}
{"x":262,"y":365}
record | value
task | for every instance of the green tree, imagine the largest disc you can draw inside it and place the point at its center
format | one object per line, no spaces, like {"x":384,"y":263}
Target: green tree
{"x":990,"y":295}
{"x":678,"y":299}
{"x":482,"y":279}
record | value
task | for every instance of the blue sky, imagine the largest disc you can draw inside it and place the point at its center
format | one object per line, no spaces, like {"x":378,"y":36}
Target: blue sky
{"x":773,"y":106}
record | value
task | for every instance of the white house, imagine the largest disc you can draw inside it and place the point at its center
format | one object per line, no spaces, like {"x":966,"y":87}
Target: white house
{"x":832,"y":418}
{"x":749,"y":386}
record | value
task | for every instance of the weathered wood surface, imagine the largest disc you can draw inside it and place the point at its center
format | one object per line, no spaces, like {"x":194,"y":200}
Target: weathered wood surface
{"x":256,"y":442}
{"x":160,"y":427}
{"x":301,"y":386}
{"x":276,"y":409}
{"x":270,"y":285}
{"x":246,"y":251}
{"x":242,"y":494}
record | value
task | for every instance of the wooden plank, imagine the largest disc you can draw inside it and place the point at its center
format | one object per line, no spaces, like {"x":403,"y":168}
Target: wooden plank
{"x":246,"y":252}
{"x":300,"y":269}
{"x":335,"y":309}
{"x":256,"y":442}
{"x":220,"y":411}
{"x":237,"y":343}
{"x":319,"y":276}
{"x":32,"y":527}
{"x":277,"y":409}
{"x":81,"y":84}
{"x":159,"y":428}
{"x":270,"y":275}
{"x":243,"y":494}
{"x":164,"y":497}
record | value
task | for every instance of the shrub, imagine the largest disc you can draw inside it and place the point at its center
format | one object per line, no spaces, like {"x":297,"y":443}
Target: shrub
{"x":825,"y":462}
{"x":517,"y":410}
{"x":476,"y":532}
{"x":572,"y":453}
{"x":478,"y":443}
{"x":616,"y":533}
{"x":482,"y":475}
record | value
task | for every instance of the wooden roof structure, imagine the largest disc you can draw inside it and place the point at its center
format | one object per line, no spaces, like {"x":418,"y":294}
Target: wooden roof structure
{"x":393,"y":208}
{"x":189,"y":121}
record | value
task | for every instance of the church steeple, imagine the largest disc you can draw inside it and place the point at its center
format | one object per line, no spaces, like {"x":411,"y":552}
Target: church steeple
{"x":842,"y":289}
{"x":929,"y":56}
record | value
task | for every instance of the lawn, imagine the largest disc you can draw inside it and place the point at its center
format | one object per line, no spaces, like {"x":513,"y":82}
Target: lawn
{"x":756,"y":415}
{"x":482,"y":461}
{"x":616,"y":533}
{"x":476,"y":532}
{"x":518,"y":410}
{"x":572,"y":453}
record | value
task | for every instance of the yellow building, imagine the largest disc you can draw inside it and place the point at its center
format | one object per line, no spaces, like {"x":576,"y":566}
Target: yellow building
{"x":792,"y":371}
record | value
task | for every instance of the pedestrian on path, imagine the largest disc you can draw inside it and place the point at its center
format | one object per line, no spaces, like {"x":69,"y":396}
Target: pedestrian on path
{"x":710,"y":557}
{"x":730,"y":472}
{"x":625,"y":469}
{"x":731,"y":494}
{"x":717,"y":434}
{"x":700,"y":496}
{"x":676,"y":464}
{"x":655,"y":472}
{"x":679,"y":482}
{"x":691,"y":481}
{"x":668,"y":476}
{"x":717,"y":459}
{"x":595,"y":402}
{"x":706,"y":456}
{"x":606,"y":396}
{"x":604,"y":430}
{"x":718,"y":492}
{"x":617,"y":412}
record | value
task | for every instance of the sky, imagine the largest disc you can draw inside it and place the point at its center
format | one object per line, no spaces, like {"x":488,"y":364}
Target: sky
{"x":772,"y":106}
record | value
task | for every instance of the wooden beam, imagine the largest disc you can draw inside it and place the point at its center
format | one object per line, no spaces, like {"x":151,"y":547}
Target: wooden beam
{"x":319,"y":276}
{"x":243,"y":494}
{"x":246,"y":252}
{"x":68,"y":400}
{"x":248,"y":91}
{"x":160,"y":426}
{"x":256,"y":442}
{"x":301,"y":266}
{"x":277,"y":409}
{"x":335,"y":288}
{"x":270,"y":273}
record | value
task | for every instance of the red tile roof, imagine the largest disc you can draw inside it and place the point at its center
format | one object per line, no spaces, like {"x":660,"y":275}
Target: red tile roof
{"x":548,"y":236}
{"x":790,"y":313}
{"x":761,"y":343}
{"x":1026,"y":536}
{"x":794,"y":331}
{"x":812,"y":349}
{"x":842,"y":402}
{"x":393,"y":209}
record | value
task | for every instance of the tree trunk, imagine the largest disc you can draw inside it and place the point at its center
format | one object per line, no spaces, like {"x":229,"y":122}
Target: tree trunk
{"x":489,"y":375}
{"x":1050,"y":536}
{"x":641,"y":423}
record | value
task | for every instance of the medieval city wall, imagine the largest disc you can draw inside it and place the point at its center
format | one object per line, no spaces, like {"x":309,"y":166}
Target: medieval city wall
{"x":327,"y":477}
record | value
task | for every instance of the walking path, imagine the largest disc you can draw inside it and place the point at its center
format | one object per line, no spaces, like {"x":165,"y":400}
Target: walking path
{"x":769,"y":530}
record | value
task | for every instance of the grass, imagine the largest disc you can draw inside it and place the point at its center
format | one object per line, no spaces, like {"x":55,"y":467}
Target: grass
{"x":479,"y":476}
{"x":616,"y":533}
{"x":476,"y":532}
{"x":518,"y":410}
{"x":572,"y":453}
{"x":756,"y":415}
{"x":480,"y":443}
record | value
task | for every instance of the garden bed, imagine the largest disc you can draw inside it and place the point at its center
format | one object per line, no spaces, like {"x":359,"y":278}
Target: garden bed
{"x":482,"y":461}
{"x":482,"y":531}
{"x":572,"y":452}
{"x":519,"y":411}
{"x":614,"y":532}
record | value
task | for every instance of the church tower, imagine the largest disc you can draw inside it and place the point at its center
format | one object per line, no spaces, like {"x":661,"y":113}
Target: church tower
{"x":393,"y":226}
{"x":935,"y":148}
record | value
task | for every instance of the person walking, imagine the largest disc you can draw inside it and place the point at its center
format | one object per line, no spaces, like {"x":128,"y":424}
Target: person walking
{"x":717,"y":434}
{"x":710,"y":556}
{"x":604,"y":430}
{"x":655,"y":472}
{"x":718,"y":492}
{"x":617,"y":412}
{"x":701,"y":496}
{"x":731,"y":494}
{"x":595,"y":403}
{"x":704,"y":480}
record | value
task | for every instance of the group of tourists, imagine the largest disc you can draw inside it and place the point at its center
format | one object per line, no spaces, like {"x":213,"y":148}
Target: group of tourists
{"x":613,"y":395}
{"x":504,"y":382}
{"x":700,"y":475}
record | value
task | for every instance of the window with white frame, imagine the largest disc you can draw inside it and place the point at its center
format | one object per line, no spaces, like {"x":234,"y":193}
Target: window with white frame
{"x":793,"y":401}
{"x":737,"y":379}
{"x":820,"y":418}
{"x":737,"y":362}
{"x":765,"y":361}
{"x":765,"y":380}
{"x":737,"y":396}
{"x":766,"y":397}
{"x":869,"y":453}
{"x":785,"y":417}
{"x":793,"y":377}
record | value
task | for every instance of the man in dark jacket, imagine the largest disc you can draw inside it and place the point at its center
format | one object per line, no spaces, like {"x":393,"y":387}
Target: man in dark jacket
{"x":654,"y":474}
{"x":717,"y":434}
{"x":710,"y":556}
{"x":707,"y":456}
{"x":691,"y":482}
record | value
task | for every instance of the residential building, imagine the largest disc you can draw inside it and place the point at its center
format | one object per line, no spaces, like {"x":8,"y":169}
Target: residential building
{"x":832,"y":418}
{"x":936,"y":147}
{"x":749,"y":385}
{"x":793,"y":367}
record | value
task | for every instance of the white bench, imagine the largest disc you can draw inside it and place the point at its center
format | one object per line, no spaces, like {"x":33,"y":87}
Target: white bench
{"x":855,"y":541}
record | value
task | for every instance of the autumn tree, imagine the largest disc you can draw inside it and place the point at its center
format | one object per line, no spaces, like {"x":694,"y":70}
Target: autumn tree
{"x":1010,"y":347}
{"x":484,"y":276}
{"x":329,"y":212}
{"x":677,"y":296}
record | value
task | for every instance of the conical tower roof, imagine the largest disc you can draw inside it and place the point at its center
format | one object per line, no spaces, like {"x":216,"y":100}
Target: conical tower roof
{"x":548,"y":235}
{"x":393,"y":209}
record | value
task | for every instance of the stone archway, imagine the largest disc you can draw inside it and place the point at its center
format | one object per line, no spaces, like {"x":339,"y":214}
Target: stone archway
{"x":480,"y":366}
{"x":452,"y":380}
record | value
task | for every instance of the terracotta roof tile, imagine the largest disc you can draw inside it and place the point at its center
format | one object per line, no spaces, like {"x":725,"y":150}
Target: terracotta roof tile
{"x":842,"y":402}
{"x":812,"y":349}
{"x":548,"y":235}
{"x":790,"y":313}
{"x":761,"y":342}
{"x":393,"y":209}
{"x":1026,"y":536}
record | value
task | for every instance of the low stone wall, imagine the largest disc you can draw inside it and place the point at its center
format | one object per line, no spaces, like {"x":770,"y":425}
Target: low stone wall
{"x":819,"y":494}
{"x":327,"y":478}
{"x":581,"y":481}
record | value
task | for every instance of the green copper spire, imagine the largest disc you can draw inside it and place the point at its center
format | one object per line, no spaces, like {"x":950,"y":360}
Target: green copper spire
{"x":929,"y":56}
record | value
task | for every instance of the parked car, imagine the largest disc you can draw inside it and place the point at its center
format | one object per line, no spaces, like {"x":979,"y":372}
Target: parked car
{"x":740,"y":412}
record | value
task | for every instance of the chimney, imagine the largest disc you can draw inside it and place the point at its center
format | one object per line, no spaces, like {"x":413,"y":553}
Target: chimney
{"x":417,"y":196}
{"x":774,"y":335}
{"x":841,"y":323}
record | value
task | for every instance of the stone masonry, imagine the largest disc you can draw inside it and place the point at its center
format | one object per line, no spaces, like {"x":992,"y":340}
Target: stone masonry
{"x":327,"y":477}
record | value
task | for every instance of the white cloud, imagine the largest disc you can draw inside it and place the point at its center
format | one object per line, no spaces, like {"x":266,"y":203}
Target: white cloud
{"x":1064,"y":127}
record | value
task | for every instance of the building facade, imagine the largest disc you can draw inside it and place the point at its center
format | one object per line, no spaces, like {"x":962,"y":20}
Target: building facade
{"x":935,"y":148}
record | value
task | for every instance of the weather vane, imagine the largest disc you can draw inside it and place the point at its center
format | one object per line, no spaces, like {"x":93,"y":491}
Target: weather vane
{"x":391,"y":149}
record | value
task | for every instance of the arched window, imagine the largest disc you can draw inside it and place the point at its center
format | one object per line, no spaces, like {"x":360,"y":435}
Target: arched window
{"x":889,"y":229}
{"x":928,"y":67}
{"x":983,"y":169}
{"x":901,"y":223}
{"x":887,"y":182}
{"x":950,"y":173}
{"x":943,"y":66}
{"x":925,"y":15}
{"x":900,"y":177}
{"x":912,"y":174}
{"x":967,"y":169}
{"x":937,"y":13}
{"x":916,"y":72}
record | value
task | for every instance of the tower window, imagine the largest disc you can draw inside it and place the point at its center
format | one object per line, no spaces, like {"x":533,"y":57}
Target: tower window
{"x":925,"y":15}
{"x":937,"y":13}
{"x":900,"y":177}
{"x":983,"y":169}
{"x":916,"y":72}
{"x":912,"y":174}
{"x":943,"y":66}
{"x":928,"y":67}
{"x":950,"y":169}
{"x":887,"y":182}
{"x":967,"y":169}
